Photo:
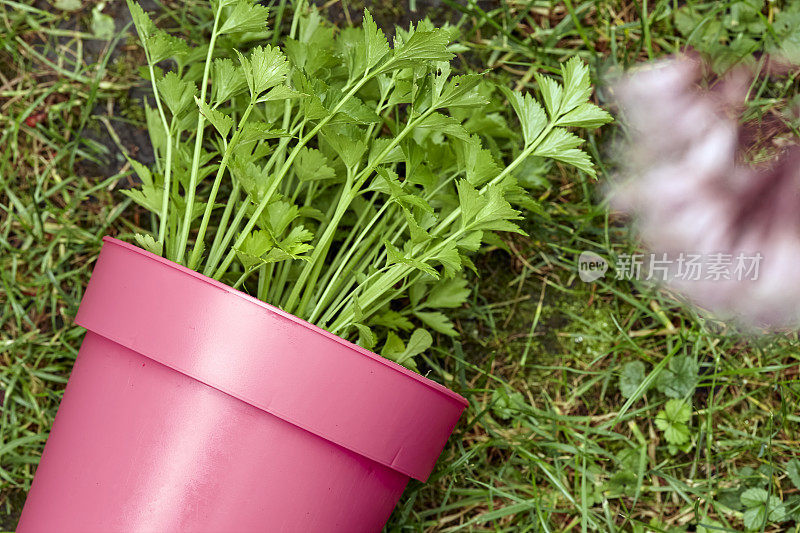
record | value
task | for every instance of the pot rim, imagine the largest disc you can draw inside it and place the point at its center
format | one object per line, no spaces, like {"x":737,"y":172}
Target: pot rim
{"x":299,"y":321}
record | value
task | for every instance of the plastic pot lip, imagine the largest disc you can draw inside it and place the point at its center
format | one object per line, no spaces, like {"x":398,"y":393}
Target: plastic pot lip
{"x":288,"y":316}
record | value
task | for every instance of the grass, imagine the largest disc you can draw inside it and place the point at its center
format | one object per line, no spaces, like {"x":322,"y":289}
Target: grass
{"x":53,"y":213}
{"x":549,"y":442}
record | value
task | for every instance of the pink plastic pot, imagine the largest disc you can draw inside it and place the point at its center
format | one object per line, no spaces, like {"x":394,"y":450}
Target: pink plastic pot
{"x":194,"y":407}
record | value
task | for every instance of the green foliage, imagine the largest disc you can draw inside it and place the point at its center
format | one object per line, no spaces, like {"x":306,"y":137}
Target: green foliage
{"x":793,"y":472}
{"x":244,"y":16}
{"x":761,"y":507}
{"x":402,"y":353}
{"x":673,"y":421}
{"x":680,"y":378}
{"x":786,"y":29}
{"x":340,"y":172}
{"x":263,"y":69}
{"x":506,"y":405}
{"x":631,"y":378}
{"x":68,"y":5}
{"x":102,"y":24}
{"x":729,"y":33}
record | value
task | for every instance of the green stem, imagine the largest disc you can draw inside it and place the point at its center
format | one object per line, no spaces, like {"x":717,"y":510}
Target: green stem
{"x":246,"y":274}
{"x":223,"y":225}
{"x":363,"y":259}
{"x":278,"y":288}
{"x":199,"y":240}
{"x":360,"y":254}
{"x":346,"y":250}
{"x":162,"y":227}
{"x":226,"y":234}
{"x":264,"y":279}
{"x":237,"y":220}
{"x":366,"y":256}
{"x":312,"y":268}
{"x":198,"y":143}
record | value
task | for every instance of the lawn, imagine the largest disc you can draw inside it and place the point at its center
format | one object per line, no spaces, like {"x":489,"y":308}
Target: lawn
{"x":602,"y":406}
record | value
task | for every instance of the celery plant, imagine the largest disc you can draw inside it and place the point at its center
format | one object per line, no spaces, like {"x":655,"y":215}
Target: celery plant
{"x":342,"y":179}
